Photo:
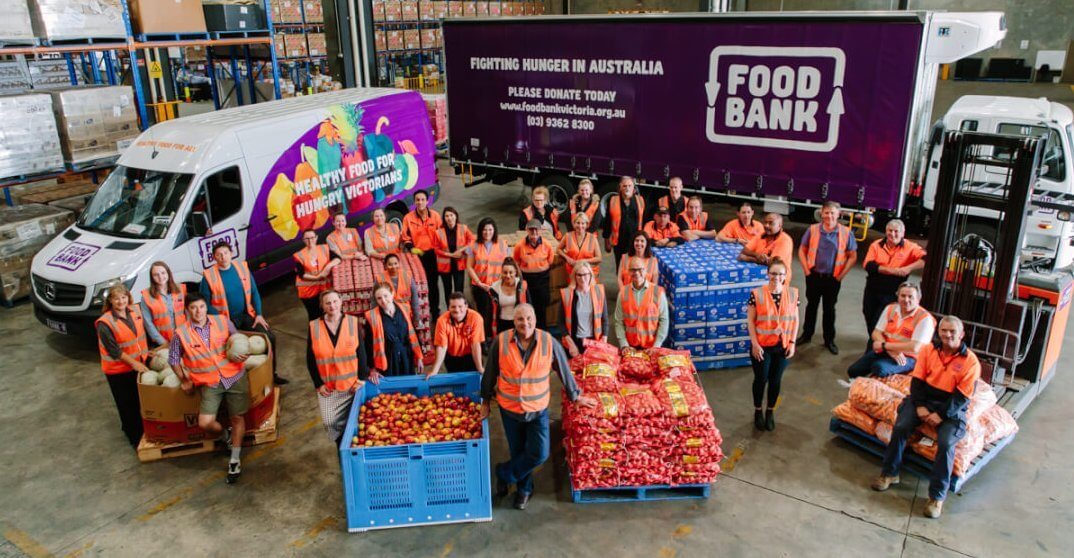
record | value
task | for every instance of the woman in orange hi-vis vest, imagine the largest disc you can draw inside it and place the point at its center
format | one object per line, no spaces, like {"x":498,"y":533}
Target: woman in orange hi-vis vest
{"x":313,"y":272}
{"x":382,"y":238}
{"x":391,"y":343}
{"x":772,"y":318}
{"x":122,"y":344}
{"x":642,"y":250}
{"x":453,"y":241}
{"x":336,"y":362}
{"x":585,"y":201}
{"x":585,"y":310}
{"x":162,"y":305}
{"x":484,"y":265}
{"x":580,"y":245}
{"x":344,"y":242}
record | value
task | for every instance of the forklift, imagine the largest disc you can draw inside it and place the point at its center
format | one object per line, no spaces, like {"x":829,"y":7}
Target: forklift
{"x":1013,"y":300}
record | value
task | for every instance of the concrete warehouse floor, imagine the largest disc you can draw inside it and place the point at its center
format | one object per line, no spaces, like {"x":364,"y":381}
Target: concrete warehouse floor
{"x":71,"y":485}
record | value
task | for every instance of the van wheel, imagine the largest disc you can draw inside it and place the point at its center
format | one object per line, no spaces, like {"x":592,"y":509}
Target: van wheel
{"x":393,"y":216}
{"x":560,"y":191}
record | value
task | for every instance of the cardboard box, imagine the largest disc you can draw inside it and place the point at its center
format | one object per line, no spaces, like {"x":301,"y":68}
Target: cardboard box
{"x":380,"y":39}
{"x":483,"y":9}
{"x":167,"y":16}
{"x":314,"y":11}
{"x":393,"y":10}
{"x":412,"y":39}
{"x":395,"y":39}
{"x":408,"y":10}
{"x":23,"y":231}
{"x":95,"y":123}
{"x":76,"y":19}
{"x":440,"y":10}
{"x":295,"y":44}
{"x":426,"y":11}
{"x":234,"y":17}
{"x":378,"y":10}
{"x":495,"y":9}
{"x":508,"y":8}
{"x":455,"y":9}
{"x":317,"y":44}
{"x":289,"y":11}
{"x":469,"y":9}
{"x":428,"y":38}
{"x":15,"y":24}
{"x":170,"y":416}
{"x":280,"y":44}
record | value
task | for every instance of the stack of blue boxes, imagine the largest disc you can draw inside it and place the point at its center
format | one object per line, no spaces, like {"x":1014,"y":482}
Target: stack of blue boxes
{"x":707,"y":288}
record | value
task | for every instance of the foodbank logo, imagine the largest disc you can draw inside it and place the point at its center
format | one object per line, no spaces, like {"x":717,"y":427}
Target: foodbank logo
{"x":783,"y":97}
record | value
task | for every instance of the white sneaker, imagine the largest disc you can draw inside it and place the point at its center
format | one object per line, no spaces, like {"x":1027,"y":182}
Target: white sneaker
{"x":234,"y":469}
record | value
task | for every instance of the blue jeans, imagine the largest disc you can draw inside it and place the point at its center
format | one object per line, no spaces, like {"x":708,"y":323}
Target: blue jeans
{"x":879,"y":365}
{"x":529,"y":446}
{"x":949,"y":433}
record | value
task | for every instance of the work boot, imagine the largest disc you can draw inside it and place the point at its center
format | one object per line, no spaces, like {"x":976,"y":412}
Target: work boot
{"x":521,"y":499}
{"x":934,"y":508}
{"x":832,"y":347}
{"x":758,"y":419}
{"x":769,"y":420}
{"x":501,"y":487}
{"x":803,"y":339}
{"x":884,"y":482}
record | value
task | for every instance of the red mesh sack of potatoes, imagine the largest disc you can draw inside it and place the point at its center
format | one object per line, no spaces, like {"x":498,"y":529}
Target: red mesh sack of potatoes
{"x":644,"y":468}
{"x":875,"y":399}
{"x":635,"y":366}
{"x":639,"y":401}
{"x":681,"y":398}
{"x":599,"y":351}
{"x":597,"y":377}
{"x":671,"y":363}
{"x":695,"y":473}
{"x":854,"y":416}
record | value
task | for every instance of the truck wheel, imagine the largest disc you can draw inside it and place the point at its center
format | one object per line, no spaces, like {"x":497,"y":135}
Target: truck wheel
{"x":393,"y":216}
{"x":605,"y":191}
{"x":560,"y":191}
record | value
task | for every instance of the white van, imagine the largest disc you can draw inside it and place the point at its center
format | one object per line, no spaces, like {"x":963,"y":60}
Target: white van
{"x":255,"y":176}
{"x":1049,"y":237}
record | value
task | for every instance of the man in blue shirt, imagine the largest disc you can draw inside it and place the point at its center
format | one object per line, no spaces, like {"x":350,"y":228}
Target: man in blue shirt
{"x":232,"y":292}
{"x":827,"y":253}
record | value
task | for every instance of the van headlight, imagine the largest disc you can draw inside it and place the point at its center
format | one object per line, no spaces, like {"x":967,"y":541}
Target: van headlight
{"x":100,"y":289}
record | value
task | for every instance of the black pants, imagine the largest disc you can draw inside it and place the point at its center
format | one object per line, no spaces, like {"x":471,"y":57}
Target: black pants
{"x":820,"y":289}
{"x":246,"y":323}
{"x":452,"y":282}
{"x":125,"y":391}
{"x":483,"y":305}
{"x":768,"y":370}
{"x":428,"y":263}
{"x":540,"y":295}
{"x":619,"y":252}
{"x":313,"y":307}
{"x":464,"y":363}
{"x":872,"y":306}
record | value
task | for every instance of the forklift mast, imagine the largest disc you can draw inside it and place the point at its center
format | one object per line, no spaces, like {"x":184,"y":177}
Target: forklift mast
{"x":975,"y":271}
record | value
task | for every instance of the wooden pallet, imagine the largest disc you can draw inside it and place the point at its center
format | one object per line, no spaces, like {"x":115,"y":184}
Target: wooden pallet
{"x":268,"y":432}
{"x":53,"y":192}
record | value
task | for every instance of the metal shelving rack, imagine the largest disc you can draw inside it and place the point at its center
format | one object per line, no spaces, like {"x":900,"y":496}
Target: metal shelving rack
{"x":300,"y":66}
{"x":112,"y":61}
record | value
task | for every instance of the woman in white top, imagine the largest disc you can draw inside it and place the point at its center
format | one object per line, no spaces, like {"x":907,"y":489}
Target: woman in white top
{"x":507,"y":293}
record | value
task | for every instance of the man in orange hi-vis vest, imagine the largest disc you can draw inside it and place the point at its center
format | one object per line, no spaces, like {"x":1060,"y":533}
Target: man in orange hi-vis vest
{"x":827,"y":253}
{"x":518,"y":376}
{"x":903,"y":330}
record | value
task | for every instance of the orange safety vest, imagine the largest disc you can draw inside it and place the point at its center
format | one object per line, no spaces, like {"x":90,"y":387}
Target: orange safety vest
{"x":132,"y":343}
{"x":897,"y":330}
{"x":696,"y":224}
{"x":520,"y":292}
{"x":206,"y":364}
{"x":376,"y":326}
{"x":615,"y":211}
{"x":218,"y":299}
{"x":583,"y":249}
{"x":596,"y":294}
{"x":776,"y":324}
{"x":158,"y":311}
{"x":386,"y":243}
{"x":533,"y":259}
{"x":488,"y":262}
{"x":337,"y":364}
{"x":421,"y":232}
{"x":346,"y":243}
{"x":624,"y":270}
{"x":553,"y":219}
{"x":463,"y":237}
{"x":313,"y":261}
{"x":641,"y":319}
{"x":840,"y":248}
{"x":400,"y":286}
{"x":590,"y":210}
{"x":524,"y":387}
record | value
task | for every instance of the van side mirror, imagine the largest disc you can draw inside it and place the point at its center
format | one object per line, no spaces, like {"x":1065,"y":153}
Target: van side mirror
{"x":198,"y":223}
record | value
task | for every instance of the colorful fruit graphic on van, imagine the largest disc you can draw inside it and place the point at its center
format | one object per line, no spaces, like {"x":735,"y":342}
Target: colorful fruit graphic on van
{"x":358,"y":157}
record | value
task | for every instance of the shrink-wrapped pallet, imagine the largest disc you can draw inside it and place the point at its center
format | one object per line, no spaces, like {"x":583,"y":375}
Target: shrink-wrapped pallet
{"x":77,"y":19}
{"x":30,"y":142}
{"x":95,"y":123}
{"x":15,"y":21}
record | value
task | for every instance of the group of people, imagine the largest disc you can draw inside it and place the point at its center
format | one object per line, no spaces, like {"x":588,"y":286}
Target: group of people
{"x":506,"y":337}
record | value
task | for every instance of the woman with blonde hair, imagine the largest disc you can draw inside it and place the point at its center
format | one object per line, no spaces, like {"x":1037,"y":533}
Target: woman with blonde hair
{"x":540,"y":210}
{"x":580,"y":246}
{"x":122,"y":344}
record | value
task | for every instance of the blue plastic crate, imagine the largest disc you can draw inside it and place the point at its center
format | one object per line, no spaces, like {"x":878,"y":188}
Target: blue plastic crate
{"x":724,"y":347}
{"x":688,"y":331}
{"x":731,"y":361}
{"x":416,"y":484}
{"x":696,"y":348}
{"x":724,"y":312}
{"x":688,"y":314}
{"x":717,"y":331}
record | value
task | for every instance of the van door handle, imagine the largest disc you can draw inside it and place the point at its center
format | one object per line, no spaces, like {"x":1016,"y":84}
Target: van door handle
{"x":243,"y":228}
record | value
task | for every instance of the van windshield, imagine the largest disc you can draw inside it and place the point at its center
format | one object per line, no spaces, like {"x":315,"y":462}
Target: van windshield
{"x":135,"y":203}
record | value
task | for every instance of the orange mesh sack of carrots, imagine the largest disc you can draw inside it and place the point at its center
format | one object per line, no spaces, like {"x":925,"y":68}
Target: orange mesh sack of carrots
{"x":898,"y":382}
{"x":876,"y":399}
{"x":996,"y":424}
{"x":854,"y":416}
{"x":969,"y":447}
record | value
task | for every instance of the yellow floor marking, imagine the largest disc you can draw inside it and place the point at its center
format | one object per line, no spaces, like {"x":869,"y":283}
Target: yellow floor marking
{"x":78,"y":552}
{"x":779,"y":400}
{"x":182,"y":495}
{"x":306,"y":427}
{"x":25,"y":543}
{"x":312,"y":533}
{"x":666,"y":552}
{"x":682,"y":531}
{"x":447,"y":549}
{"x":812,"y":400}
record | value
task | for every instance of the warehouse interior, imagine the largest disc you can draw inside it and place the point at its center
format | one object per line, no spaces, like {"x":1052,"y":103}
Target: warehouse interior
{"x":73,"y":487}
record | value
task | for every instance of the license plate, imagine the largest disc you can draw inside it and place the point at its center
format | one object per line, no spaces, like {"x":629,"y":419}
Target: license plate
{"x":776,"y":206}
{"x":58,"y":327}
